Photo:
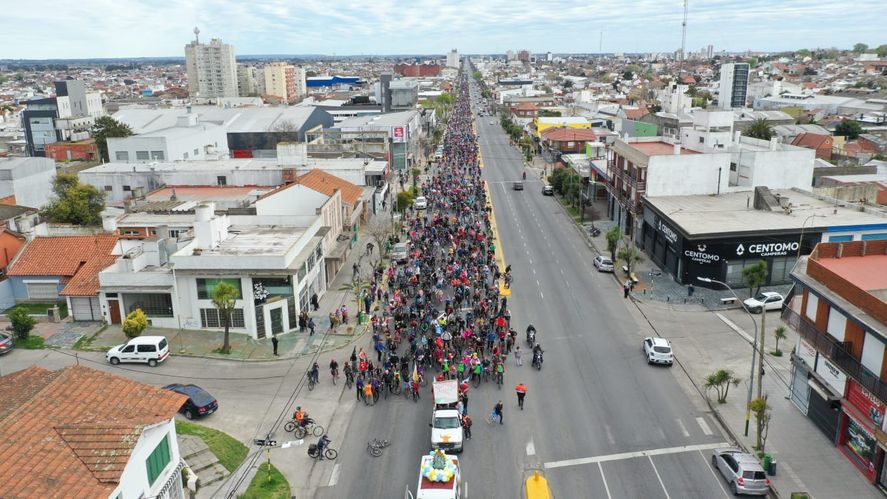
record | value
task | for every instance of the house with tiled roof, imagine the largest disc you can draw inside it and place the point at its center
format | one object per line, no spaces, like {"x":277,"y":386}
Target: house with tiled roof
{"x":568,"y":140}
{"x":82,"y":433}
{"x":64,"y":268}
{"x":822,"y":144}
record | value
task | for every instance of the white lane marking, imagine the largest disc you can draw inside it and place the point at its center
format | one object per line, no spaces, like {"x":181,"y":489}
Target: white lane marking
{"x":717,"y":478}
{"x":683,"y":428}
{"x":659,"y":477}
{"x":606,"y":487}
{"x":334,"y":478}
{"x":703,"y":425}
{"x":630,"y":455}
{"x":531,"y":448}
{"x":732,"y":325}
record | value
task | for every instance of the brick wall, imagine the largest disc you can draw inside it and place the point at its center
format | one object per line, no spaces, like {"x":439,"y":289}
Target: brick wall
{"x":837,"y":284}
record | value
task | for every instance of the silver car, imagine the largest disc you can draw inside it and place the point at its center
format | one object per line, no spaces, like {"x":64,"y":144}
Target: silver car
{"x":603,"y":263}
{"x":743,"y":471}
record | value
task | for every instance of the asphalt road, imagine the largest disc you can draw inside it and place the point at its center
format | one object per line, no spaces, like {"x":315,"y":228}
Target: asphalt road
{"x":598,"y":419}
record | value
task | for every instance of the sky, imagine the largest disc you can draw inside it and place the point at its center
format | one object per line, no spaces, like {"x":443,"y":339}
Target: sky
{"x":70,"y":29}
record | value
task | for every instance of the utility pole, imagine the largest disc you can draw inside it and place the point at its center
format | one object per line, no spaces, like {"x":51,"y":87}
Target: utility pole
{"x":761,"y":351}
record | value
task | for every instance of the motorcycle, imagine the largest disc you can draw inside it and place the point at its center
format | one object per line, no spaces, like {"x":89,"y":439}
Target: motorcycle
{"x":531,"y":336}
{"x":537,"y":360}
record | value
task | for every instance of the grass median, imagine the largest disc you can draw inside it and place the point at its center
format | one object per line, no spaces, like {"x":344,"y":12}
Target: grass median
{"x":268,"y":483}
{"x":229,"y":451}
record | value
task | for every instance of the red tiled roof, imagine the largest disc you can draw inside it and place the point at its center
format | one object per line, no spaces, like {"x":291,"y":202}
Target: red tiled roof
{"x":567,"y":134}
{"x":525,"y":106}
{"x":635,"y":113}
{"x":810,"y":140}
{"x":327,"y":183}
{"x":70,"y":433}
{"x":78,"y":258}
{"x":688,"y":80}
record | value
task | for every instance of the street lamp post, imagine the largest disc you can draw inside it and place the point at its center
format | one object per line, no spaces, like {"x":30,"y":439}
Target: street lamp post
{"x":801,"y":238}
{"x":754,"y":349}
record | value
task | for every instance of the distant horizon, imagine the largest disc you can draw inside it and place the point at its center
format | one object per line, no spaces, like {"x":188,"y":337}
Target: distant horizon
{"x":128,"y":29}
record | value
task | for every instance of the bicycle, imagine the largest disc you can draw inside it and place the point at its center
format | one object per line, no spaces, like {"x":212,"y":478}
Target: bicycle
{"x":328,"y":452}
{"x":301,"y":431}
{"x":375,"y":447}
{"x":311,"y":383}
{"x":334,"y":373}
{"x":499,"y":379}
{"x":349,"y":380}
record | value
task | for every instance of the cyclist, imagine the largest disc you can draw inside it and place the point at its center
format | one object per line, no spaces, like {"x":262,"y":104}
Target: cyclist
{"x":349,"y":374}
{"x":301,"y":417}
{"x":314,"y":373}
{"x":322,"y":442}
{"x":334,"y":368}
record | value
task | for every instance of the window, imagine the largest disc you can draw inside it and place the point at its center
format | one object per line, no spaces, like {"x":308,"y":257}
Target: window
{"x":205,"y":287}
{"x":127,"y":188}
{"x":158,"y":460}
{"x":837,"y":324}
{"x":840,"y":239}
{"x":147,"y":348}
{"x":184,"y":155}
{"x":732,"y":167}
{"x":158,"y":155}
{"x":197,"y":152}
{"x":701,"y":140}
{"x":42,"y":291}
{"x":812,"y":306}
{"x":108,"y":188}
{"x":222,"y":180}
{"x":121,"y":155}
{"x":211,"y":318}
{"x":142,"y":155}
{"x":153,"y":304}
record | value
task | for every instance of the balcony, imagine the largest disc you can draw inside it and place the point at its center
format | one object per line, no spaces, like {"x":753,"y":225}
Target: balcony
{"x":837,"y":351}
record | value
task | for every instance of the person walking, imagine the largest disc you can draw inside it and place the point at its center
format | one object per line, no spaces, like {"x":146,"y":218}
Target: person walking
{"x":497,"y":411}
{"x":521,"y":390}
{"x":315,"y":302}
{"x":466,"y":426}
{"x":517,"y":355}
{"x":311,"y":326}
{"x":274,"y":343}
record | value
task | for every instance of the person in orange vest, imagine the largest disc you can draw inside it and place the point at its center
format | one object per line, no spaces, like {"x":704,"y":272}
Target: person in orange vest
{"x":521,"y":390}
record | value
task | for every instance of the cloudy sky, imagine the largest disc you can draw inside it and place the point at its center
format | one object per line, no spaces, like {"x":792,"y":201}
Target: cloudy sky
{"x":142,"y":28}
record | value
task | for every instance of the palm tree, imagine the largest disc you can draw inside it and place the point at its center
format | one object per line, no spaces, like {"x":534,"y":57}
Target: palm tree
{"x":224,"y":298}
{"x":720,"y":382}
{"x":760,"y":129}
{"x":779,"y":333}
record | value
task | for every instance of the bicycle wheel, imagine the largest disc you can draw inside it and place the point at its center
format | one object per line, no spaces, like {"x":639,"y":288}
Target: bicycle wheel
{"x":318,"y":430}
{"x":334,"y":379}
{"x":289,"y":426}
{"x":310,"y":385}
{"x":374,"y":451}
{"x":396,"y":389}
{"x":330,"y":453}
{"x":300,"y":432}
{"x":475,"y":380}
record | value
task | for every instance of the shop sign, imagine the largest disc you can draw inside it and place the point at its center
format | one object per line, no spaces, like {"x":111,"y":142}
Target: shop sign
{"x":767,"y":249}
{"x":700,"y":255}
{"x":806,"y":353}
{"x":670,"y":235}
{"x":867,"y":404}
{"x":398,"y":134}
{"x":831,"y":374}
{"x":861,"y":442}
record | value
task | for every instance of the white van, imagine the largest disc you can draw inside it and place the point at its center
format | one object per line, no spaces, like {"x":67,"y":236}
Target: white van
{"x":400,"y":253}
{"x":151,"y":350}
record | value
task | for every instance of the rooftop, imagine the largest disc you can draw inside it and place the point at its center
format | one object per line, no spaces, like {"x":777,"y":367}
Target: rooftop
{"x":257,"y":241}
{"x":378,"y":120}
{"x":868,"y":272}
{"x":734,"y":212}
{"x":658,"y":148}
{"x":235,"y":119}
{"x":204,"y":193}
{"x":80,"y":258}
{"x":73,"y":430}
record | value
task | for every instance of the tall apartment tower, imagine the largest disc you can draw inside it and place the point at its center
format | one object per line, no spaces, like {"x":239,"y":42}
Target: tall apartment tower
{"x":284,"y":82}
{"x":733,"y":90}
{"x":453,"y":59}
{"x":212,"y":70}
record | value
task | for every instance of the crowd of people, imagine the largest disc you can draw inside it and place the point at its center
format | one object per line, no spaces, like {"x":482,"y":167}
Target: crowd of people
{"x":440,"y":313}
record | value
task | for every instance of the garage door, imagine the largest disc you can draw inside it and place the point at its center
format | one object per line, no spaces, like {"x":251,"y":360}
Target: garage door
{"x":48,"y":291}
{"x":85,"y":308}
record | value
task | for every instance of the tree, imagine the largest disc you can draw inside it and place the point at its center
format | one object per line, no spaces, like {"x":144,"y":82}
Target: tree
{"x":848,"y":128}
{"x":356,"y":286}
{"x":379,"y":229}
{"x":755,"y":276}
{"x":107,"y":127}
{"x":477,"y":75}
{"x":720,"y":382}
{"x":404,"y":200}
{"x":627,"y":75}
{"x":415,"y":172}
{"x":881,"y":51}
{"x":760,"y":129}
{"x":779,"y":333}
{"x":22,"y":322}
{"x":73,"y":202}
{"x":860,"y":48}
{"x":629,"y":255}
{"x":803,"y":53}
{"x":761,"y":409}
{"x":224,"y":297}
{"x":614,"y":235}
{"x":567,"y":84}
{"x":135,"y":324}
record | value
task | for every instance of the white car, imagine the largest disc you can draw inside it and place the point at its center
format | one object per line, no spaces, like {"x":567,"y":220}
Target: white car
{"x":150,"y":350}
{"x":420,"y":203}
{"x":603,"y":263}
{"x":767,"y":300}
{"x":658,"y":351}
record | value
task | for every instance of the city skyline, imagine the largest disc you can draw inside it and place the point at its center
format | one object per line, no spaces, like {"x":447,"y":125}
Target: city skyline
{"x":150,"y":28}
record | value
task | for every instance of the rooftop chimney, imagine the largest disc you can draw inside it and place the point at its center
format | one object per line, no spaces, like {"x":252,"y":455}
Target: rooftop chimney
{"x":774,"y":143}
{"x":677,"y":148}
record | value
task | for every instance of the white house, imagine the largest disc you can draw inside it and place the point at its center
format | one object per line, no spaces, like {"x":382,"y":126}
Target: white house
{"x":80,"y":432}
{"x":189,"y":139}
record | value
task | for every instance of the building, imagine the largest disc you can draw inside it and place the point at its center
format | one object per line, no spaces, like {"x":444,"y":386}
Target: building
{"x":403,"y":131}
{"x":211,"y":68}
{"x":822,"y":144}
{"x":417,"y":70}
{"x":51,"y":269}
{"x":83,"y":150}
{"x":68,"y":116}
{"x":733,"y":89}
{"x":839,"y":374}
{"x":187,"y":140}
{"x":81,"y":432}
{"x":284,"y":82}
{"x":543,"y":123}
{"x":26,"y":181}
{"x":453,"y":59}
{"x":247,"y":80}
{"x":567,"y":140}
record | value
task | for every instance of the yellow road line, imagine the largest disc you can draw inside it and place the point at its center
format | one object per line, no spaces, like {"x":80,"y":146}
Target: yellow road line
{"x":499,"y":254}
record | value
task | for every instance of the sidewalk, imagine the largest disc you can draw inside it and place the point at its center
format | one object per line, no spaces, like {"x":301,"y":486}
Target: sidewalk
{"x":706,"y":341}
{"x":293,"y":344}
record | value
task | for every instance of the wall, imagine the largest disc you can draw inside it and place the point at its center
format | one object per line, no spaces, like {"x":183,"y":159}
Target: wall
{"x":783,"y":169}
{"x":7,"y":298}
{"x":294,"y":200}
{"x":134,"y":479}
{"x":20,"y":290}
{"x":687,"y":174}
{"x":72,"y":151}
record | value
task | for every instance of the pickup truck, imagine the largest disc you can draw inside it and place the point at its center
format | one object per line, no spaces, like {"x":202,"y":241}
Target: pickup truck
{"x":446,"y":427}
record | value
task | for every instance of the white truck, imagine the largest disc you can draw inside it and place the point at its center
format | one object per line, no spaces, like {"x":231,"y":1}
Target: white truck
{"x":446,"y":427}
{"x":430,"y":489}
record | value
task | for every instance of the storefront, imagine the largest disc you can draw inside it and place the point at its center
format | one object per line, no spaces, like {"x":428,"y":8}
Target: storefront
{"x":722,"y":255}
{"x":864,"y":416}
{"x":816,"y":389}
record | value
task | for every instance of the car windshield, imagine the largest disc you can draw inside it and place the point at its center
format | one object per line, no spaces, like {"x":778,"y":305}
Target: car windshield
{"x":446,"y":423}
{"x":662,"y":349}
{"x":761,"y":297}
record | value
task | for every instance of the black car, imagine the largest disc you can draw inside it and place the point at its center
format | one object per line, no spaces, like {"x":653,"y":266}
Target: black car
{"x":548,"y":190}
{"x":7,"y":342}
{"x":518,"y":186}
{"x":200,"y":403}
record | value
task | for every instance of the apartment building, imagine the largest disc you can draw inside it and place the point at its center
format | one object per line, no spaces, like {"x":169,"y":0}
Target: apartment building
{"x":284,"y":82}
{"x":211,"y":68}
{"x":839,"y":377}
{"x":733,"y":90}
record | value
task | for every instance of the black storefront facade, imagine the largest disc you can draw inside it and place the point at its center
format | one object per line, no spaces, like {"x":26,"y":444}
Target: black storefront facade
{"x":721,"y":256}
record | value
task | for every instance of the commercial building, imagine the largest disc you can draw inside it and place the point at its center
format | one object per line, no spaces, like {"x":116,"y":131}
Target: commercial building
{"x":402,"y":133}
{"x":187,"y":140}
{"x":733,"y":89}
{"x":417,"y":70}
{"x":839,"y":364}
{"x":211,"y":68}
{"x":81,"y":432}
{"x":68,"y":116}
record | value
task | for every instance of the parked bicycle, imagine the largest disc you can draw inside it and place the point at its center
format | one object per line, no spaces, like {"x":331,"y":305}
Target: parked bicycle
{"x":375,"y":446}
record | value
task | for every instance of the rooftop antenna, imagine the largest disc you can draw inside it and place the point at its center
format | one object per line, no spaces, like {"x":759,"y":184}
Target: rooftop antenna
{"x":600,"y":45}
{"x":197,"y":32}
{"x":683,"y":38}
